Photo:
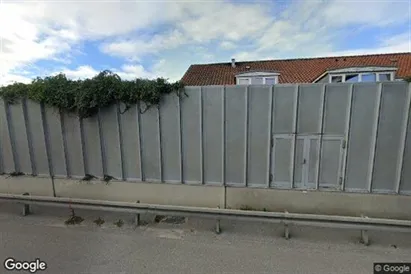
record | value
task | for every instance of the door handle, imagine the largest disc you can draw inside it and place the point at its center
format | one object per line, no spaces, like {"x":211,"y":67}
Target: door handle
{"x":304,"y":161}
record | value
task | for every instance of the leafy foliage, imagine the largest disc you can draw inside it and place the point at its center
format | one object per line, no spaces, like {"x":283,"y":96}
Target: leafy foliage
{"x":408,"y":79}
{"x":85,"y":97}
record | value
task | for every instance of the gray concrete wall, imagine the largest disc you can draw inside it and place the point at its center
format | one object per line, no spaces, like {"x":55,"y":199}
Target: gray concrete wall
{"x":342,"y":137}
{"x":311,"y":202}
{"x":316,"y":202}
{"x":37,"y":186}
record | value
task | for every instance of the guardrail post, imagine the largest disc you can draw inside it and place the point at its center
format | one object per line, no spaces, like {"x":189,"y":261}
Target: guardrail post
{"x":26,"y":207}
{"x":217,"y":225}
{"x":286,"y":229}
{"x":137,"y":218}
{"x":362,"y":223}
{"x":364,"y":235}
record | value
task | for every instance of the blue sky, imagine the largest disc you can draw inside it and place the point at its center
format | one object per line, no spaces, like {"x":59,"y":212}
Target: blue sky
{"x":151,"y":39}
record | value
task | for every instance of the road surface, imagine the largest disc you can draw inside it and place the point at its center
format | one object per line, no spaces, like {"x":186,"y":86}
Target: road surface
{"x":191,"y":247}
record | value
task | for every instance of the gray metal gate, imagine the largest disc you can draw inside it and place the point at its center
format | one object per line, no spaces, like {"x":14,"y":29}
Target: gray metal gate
{"x":305,"y":173}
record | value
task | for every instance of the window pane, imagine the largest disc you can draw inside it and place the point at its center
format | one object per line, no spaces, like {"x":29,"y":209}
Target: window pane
{"x":385,"y":77}
{"x":371,"y":77}
{"x":270,"y":81}
{"x":243,"y":81}
{"x":336,"y":79}
{"x":351,"y":78}
{"x":257,"y":80}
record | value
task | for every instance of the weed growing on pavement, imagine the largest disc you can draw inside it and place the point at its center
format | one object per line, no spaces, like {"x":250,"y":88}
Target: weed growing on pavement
{"x":99,"y":221}
{"x":74,"y":219}
{"x":119,"y":223}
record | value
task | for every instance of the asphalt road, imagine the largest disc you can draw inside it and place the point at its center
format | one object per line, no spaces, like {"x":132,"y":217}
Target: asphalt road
{"x":191,"y":247}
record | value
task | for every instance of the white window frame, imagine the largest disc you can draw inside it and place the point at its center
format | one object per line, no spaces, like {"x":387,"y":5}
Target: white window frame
{"x":275,"y":77}
{"x":337,"y":75}
{"x":390,"y":73}
{"x":377,"y":75}
{"x":243,"y":78}
{"x":270,"y":77}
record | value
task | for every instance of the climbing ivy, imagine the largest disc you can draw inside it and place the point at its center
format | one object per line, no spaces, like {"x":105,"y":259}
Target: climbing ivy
{"x":85,"y":97}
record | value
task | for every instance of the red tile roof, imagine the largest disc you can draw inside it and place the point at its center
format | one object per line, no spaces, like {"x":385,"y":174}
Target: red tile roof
{"x":293,"y":70}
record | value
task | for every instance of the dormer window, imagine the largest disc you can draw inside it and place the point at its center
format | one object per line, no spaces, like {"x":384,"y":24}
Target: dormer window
{"x":271,"y":80}
{"x":257,"y":78}
{"x":362,"y":74}
{"x":243,"y":81}
{"x":362,"y":77}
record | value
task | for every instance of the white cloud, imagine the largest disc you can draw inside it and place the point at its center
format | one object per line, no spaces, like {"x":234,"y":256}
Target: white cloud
{"x":231,"y":21}
{"x":169,"y":69}
{"x":285,"y":36}
{"x":398,"y":43}
{"x":82,"y":72}
{"x":11,"y":78}
{"x":228,"y":45}
{"x":375,"y":13}
{"x":50,"y":30}
{"x":135,"y":48}
{"x":197,"y":23}
{"x":394,"y":44}
{"x":130,"y":72}
{"x":401,"y":41}
{"x":126,"y":71}
{"x":25,"y":42}
{"x":314,"y":28}
{"x":93,"y":19}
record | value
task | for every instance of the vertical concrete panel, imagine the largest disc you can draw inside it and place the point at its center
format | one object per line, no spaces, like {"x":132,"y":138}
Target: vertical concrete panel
{"x":5,"y":144}
{"x":1,"y":152}
{"x":336,"y":100}
{"x":111,"y":141}
{"x":235,"y":134}
{"x":330,"y":163}
{"x":19,"y":134}
{"x":1,"y":158}
{"x":309,"y":108}
{"x":29,"y":137}
{"x":299,"y":170}
{"x":258,"y":132}
{"x":363,"y":116}
{"x":92,"y":146}
{"x":312,"y":163}
{"x":405,"y":185}
{"x":73,"y":143}
{"x":37,"y":138}
{"x":131,"y":144}
{"x":280,"y":162}
{"x":212,"y":118}
{"x":170,"y":138}
{"x":392,"y":111}
{"x":150,"y":144}
{"x":56,"y":142}
{"x":283,"y":109}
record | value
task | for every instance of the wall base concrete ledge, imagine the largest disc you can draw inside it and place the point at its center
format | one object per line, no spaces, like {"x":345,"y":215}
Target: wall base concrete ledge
{"x":293,"y":201}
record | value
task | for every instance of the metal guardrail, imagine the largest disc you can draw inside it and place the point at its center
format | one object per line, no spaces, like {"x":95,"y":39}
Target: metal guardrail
{"x":362,"y":223}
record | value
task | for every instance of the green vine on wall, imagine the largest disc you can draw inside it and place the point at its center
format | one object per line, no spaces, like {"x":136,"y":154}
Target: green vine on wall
{"x":85,"y":97}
